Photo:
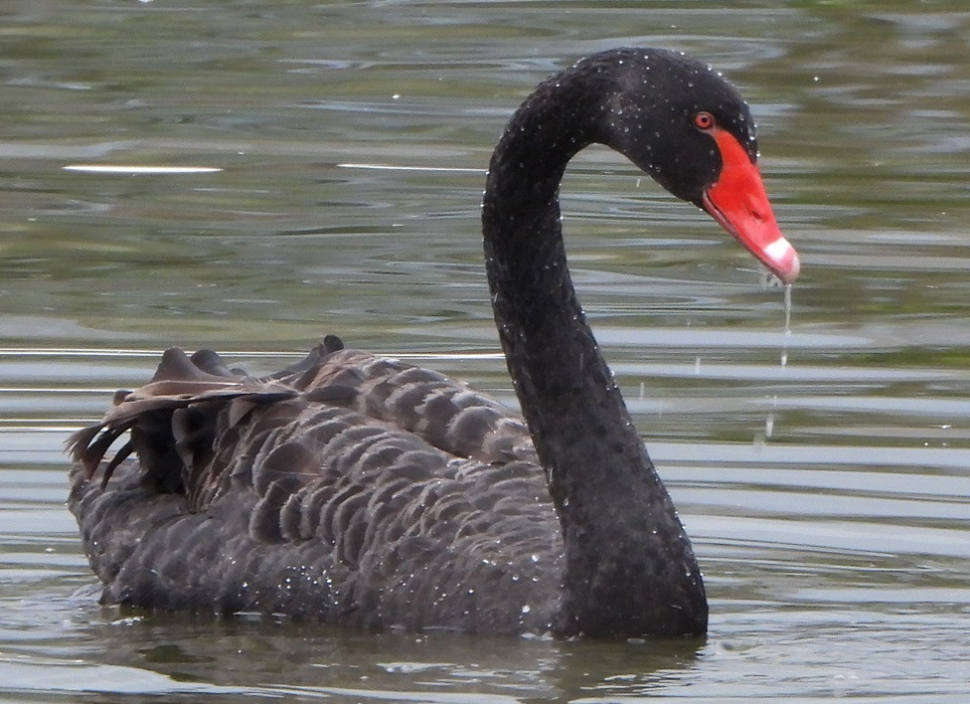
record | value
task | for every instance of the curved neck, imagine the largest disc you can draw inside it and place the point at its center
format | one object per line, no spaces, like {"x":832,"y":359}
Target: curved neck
{"x":630,"y":569}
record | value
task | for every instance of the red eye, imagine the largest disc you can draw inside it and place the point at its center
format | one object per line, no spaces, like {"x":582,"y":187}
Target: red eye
{"x":703,"y":120}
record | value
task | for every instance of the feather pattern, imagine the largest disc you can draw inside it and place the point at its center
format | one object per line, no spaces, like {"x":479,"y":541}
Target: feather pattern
{"x":347,"y":515}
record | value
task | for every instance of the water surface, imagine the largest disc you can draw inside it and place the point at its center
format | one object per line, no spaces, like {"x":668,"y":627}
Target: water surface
{"x":828,"y":500}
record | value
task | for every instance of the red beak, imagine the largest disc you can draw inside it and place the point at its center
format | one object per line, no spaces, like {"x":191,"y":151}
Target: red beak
{"x":739,"y":202}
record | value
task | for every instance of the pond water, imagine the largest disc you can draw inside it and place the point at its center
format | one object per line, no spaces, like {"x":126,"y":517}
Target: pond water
{"x":828,"y":499}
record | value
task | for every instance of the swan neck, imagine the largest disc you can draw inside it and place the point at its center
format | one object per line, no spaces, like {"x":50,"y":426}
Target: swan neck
{"x":626,"y":550}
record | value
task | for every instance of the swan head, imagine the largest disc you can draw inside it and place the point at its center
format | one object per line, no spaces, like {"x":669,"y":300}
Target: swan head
{"x":688,"y":128}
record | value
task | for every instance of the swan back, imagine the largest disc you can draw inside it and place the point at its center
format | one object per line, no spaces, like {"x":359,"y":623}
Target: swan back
{"x":347,"y":488}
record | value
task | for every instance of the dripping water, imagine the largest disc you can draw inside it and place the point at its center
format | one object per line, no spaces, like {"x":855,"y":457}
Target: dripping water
{"x":770,"y":419}
{"x":787,"y":334}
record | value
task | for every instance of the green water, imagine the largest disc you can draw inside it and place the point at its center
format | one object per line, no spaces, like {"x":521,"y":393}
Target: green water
{"x":828,"y":500}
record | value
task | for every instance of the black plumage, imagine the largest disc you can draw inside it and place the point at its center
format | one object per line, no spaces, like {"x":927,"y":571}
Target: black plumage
{"x":355,"y":489}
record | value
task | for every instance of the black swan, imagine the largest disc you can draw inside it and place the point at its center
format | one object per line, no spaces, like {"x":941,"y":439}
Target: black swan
{"x":354,"y":489}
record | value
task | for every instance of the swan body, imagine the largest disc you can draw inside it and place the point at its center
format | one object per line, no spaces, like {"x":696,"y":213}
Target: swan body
{"x":354,"y":489}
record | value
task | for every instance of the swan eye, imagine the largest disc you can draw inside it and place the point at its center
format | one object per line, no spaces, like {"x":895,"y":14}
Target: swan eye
{"x":703,"y":120}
